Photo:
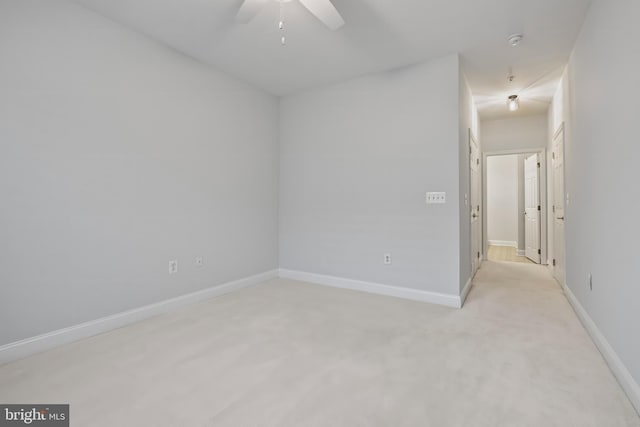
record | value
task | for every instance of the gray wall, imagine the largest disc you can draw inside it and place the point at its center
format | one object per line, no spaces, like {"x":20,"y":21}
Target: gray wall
{"x":514,"y":133}
{"x":118,"y":155}
{"x":602,"y":174}
{"x":356,"y":160}
{"x":502,"y":199}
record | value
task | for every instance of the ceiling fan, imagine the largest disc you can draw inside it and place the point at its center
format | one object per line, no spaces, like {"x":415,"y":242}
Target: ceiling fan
{"x":324,"y":10}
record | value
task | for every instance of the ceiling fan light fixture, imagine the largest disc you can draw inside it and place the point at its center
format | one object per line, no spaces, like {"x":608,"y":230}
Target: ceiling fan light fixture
{"x":513,"y":102}
{"x":324,"y":10}
{"x":283,"y":40}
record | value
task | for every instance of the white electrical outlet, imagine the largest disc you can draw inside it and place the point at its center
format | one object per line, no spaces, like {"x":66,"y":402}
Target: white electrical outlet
{"x":387,"y":259}
{"x":436,"y":197}
{"x":199,"y":261}
{"x":173,"y":266}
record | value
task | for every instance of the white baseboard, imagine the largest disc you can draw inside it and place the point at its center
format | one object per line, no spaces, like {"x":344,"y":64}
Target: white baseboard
{"x":521,"y":252}
{"x":465,"y":291}
{"x":620,"y":371}
{"x":503,"y":243}
{"x":374,"y":288}
{"x":40,"y":343}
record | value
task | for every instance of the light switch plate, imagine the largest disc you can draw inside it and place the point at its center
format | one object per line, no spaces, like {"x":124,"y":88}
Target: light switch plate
{"x":436,"y":197}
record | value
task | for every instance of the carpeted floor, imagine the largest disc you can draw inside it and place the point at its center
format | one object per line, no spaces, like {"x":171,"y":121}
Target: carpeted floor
{"x":505,"y":253}
{"x":292,"y":354}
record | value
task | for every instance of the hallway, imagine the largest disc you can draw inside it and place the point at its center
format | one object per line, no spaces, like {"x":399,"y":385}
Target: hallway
{"x":505,"y":253}
{"x":538,"y":351}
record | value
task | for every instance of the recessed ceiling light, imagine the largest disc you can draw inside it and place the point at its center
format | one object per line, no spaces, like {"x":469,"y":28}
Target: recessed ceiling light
{"x":515,"y":39}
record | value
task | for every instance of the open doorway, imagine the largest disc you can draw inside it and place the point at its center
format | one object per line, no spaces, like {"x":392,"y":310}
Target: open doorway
{"x":515,"y":211}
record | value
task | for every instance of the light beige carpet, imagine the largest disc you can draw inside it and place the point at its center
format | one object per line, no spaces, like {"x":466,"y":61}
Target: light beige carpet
{"x":292,"y":354}
{"x":505,"y":253}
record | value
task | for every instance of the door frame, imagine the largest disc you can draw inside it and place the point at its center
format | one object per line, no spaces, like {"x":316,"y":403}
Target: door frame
{"x":542,"y":155}
{"x":552,"y":246}
{"x":481,"y":247}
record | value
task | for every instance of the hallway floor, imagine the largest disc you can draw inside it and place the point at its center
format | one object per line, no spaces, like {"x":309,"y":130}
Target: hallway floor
{"x":287,"y":353}
{"x":506,"y":253}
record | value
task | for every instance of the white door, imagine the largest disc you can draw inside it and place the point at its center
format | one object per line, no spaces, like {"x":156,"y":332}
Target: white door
{"x":474,"y":204}
{"x":532,"y":208}
{"x":557,"y":161}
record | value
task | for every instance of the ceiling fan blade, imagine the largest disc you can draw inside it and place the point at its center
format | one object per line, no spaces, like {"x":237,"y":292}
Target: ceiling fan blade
{"x":249,"y":10}
{"x":325,"y":11}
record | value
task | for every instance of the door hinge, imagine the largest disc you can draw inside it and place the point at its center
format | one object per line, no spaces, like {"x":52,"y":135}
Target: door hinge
{"x":478,"y":255}
{"x":538,"y":207}
{"x":553,"y":155}
{"x":554,"y":209}
{"x":478,"y":208}
{"x":539,"y":251}
{"x":538,"y":164}
{"x":477,"y":161}
{"x":554,"y":262}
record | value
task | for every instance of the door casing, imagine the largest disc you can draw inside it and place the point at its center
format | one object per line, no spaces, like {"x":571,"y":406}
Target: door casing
{"x":558,"y":252}
{"x":542,"y":155}
{"x":475,"y":201}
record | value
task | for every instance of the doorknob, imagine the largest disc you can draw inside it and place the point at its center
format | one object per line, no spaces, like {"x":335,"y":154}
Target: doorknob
{"x":561,"y":218}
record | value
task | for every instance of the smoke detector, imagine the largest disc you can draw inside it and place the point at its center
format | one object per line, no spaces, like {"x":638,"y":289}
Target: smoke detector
{"x":515,"y":39}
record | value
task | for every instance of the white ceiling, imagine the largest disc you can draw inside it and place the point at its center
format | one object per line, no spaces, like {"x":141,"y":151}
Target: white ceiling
{"x":378,"y":35}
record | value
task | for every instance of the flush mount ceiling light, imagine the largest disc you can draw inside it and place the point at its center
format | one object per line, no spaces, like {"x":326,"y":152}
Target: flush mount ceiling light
{"x":515,"y":39}
{"x":513,"y":102}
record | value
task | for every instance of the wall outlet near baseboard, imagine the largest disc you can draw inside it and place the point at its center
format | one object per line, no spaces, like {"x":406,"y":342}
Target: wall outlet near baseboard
{"x":387,"y":259}
{"x":173,"y":266}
